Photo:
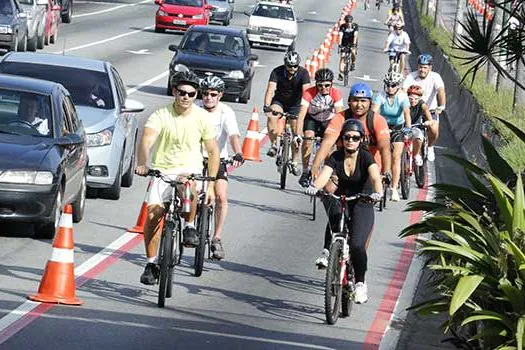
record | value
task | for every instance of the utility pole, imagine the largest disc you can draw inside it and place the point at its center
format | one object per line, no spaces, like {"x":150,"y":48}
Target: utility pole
{"x":458,"y":29}
{"x":437,"y":13}
{"x":519,"y":93}
{"x":492,"y":72}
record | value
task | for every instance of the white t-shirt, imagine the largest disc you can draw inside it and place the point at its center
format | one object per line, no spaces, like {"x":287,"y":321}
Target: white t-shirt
{"x":225,"y":123}
{"x":398,"y":42}
{"x":41,"y":125}
{"x":430,"y":86}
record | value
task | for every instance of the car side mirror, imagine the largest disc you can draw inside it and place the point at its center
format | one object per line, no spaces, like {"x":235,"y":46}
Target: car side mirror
{"x":173,"y":47}
{"x":158,"y":2}
{"x":132,"y":106}
{"x":253,"y":57}
{"x":41,"y":2}
{"x":208,"y":7}
{"x":70,"y":140}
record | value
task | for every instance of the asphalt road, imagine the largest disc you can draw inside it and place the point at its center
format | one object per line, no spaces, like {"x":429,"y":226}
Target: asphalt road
{"x":267,"y":293}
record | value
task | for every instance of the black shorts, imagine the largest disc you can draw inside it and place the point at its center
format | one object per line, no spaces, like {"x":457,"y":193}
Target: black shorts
{"x":314,"y":125}
{"x":395,"y":133}
{"x":293,"y":110}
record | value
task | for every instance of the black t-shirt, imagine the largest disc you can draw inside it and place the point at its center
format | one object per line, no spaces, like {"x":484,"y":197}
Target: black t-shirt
{"x":358,"y":181}
{"x":348,"y":31}
{"x":289,"y":91}
{"x":416,"y":112}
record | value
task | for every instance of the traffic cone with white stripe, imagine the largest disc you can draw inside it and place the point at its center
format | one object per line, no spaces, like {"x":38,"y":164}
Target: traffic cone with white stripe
{"x":251,"y":144}
{"x":143,"y":214}
{"x":58,"y":283}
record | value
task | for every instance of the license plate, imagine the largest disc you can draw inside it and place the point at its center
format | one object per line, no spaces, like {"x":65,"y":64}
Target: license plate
{"x":179,"y":22}
{"x":269,"y":39}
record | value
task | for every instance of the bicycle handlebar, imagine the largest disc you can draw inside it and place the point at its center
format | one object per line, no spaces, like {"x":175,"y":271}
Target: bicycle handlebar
{"x":345,"y":198}
{"x":189,"y":177}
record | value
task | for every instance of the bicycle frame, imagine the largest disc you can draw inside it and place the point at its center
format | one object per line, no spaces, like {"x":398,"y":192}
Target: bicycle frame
{"x":284,"y":151}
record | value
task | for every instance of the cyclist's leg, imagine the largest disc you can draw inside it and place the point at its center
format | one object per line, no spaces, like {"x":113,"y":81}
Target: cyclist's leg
{"x":401,"y":63}
{"x":190,"y":232}
{"x":433,"y":130}
{"x":293,"y":111}
{"x":221,"y":200}
{"x":342,"y":64}
{"x":273,"y":126}
{"x":310,"y":125}
{"x":397,"y":143}
{"x":362,"y":223}
{"x":353,"y":55}
{"x":417,"y":140}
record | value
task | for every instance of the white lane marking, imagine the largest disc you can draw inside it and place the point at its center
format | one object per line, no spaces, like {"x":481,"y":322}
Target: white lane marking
{"x":258,"y":65}
{"x":96,"y":259}
{"x":110,"y":9}
{"x":140,"y":52}
{"x":147,"y":82}
{"x":312,"y":12}
{"x":366,"y":78}
{"x":80,"y":47}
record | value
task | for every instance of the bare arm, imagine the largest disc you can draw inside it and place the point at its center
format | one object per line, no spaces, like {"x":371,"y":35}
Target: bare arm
{"x":426,"y":112}
{"x":383,"y":145}
{"x":323,"y":177}
{"x":270,"y":91}
{"x":235,"y":142}
{"x":375,"y":178}
{"x":408,"y":119}
{"x":324,"y":150}
{"x":149,"y":137}
{"x":441,"y":97}
{"x":213,"y":166}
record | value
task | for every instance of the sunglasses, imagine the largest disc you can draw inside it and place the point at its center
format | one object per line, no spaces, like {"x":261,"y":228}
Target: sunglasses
{"x":183,"y":93}
{"x":293,"y":67}
{"x":391,"y":85}
{"x":354,"y":138}
{"x":209,"y":93}
{"x":325,"y":85}
{"x":276,"y":113}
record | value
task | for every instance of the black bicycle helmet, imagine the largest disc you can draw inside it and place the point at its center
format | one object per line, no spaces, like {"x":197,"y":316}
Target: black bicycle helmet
{"x":349,"y":18}
{"x":292,"y":58}
{"x":185,"y":77}
{"x":352,"y":125}
{"x":211,"y":82}
{"x":424,"y":59}
{"x":324,"y":74}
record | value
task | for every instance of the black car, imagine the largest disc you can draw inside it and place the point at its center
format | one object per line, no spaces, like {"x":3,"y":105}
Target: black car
{"x":223,"y":52}
{"x":43,"y":154}
{"x":13,"y":26}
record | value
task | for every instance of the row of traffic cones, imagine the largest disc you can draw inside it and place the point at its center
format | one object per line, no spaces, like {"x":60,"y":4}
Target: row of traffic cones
{"x":483,"y":8}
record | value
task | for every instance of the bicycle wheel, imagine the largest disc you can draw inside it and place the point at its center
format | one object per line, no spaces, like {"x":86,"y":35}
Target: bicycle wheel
{"x":203,"y":229}
{"x":420,"y":172}
{"x":378,"y":4}
{"x":348,"y":291}
{"x":313,"y":199}
{"x":286,"y":161}
{"x":165,"y":257}
{"x":404,"y":176}
{"x":333,"y":285}
{"x":175,"y":235}
{"x":347,"y":69}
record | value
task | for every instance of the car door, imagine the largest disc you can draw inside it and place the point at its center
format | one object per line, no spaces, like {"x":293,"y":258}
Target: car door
{"x":125,"y":120}
{"x":21,"y":21}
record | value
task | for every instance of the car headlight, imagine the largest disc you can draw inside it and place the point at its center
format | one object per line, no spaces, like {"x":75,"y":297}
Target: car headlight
{"x":289,"y":31}
{"x":198,"y":17}
{"x":235,"y":74}
{"x":181,"y":68}
{"x":5,"y":29}
{"x":27,"y":177}
{"x":162,"y":13}
{"x":253,"y":28}
{"x":101,"y":138}
{"x":221,"y":9}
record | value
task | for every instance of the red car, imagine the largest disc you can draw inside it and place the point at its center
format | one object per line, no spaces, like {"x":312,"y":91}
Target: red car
{"x":181,"y":14}
{"x":52,"y":21}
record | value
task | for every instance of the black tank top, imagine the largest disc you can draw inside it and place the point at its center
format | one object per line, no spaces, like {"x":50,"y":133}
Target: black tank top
{"x":416,"y":112}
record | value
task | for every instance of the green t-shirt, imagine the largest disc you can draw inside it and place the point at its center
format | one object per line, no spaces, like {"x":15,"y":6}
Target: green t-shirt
{"x":178,"y":145}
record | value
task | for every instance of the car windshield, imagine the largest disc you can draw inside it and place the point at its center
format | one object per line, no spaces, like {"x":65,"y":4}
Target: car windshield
{"x":279,"y":12}
{"x":6,"y":8}
{"x":87,"y":87}
{"x":25,"y":113}
{"x":214,"y":44}
{"x":191,"y":3}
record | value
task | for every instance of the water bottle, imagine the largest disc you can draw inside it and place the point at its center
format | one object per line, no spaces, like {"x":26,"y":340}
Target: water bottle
{"x":186,"y":198}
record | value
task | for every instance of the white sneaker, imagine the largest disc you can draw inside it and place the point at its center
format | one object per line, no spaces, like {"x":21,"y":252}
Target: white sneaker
{"x":431,"y":156}
{"x":360,"y":293}
{"x":395,"y":195}
{"x":322,"y":260}
{"x":418,"y":160}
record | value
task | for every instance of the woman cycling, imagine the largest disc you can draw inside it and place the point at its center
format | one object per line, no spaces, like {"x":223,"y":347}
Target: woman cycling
{"x":395,"y":17}
{"x":393,"y":104}
{"x":418,"y":111}
{"x":353,"y":166}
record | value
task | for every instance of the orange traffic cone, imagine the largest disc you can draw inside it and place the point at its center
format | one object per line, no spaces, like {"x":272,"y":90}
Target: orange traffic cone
{"x":58,"y":282}
{"x":250,"y":146}
{"x":143,"y":214}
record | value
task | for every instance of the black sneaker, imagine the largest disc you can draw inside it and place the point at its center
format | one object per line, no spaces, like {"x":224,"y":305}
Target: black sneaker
{"x":294,"y":168}
{"x":217,"y":249}
{"x":304,"y":180}
{"x":340,"y":76}
{"x":150,"y":274}
{"x":352,"y":67}
{"x":272,"y":151}
{"x":190,"y":236}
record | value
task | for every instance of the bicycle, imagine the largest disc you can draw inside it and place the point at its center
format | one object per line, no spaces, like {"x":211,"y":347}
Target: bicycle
{"x":171,"y":247}
{"x":386,"y":185}
{"x":339,"y":279}
{"x":421,"y":171}
{"x":347,"y":52}
{"x":283,"y":158}
{"x":316,"y":145}
{"x":394,"y":57}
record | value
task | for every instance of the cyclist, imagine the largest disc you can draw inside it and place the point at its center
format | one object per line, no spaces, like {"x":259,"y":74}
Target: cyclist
{"x":318,"y":105}
{"x":377,"y":134}
{"x":348,"y":32}
{"x":392,"y":103}
{"x":399,"y":42}
{"x":418,"y":111}
{"x":283,"y":94}
{"x":433,"y":95}
{"x":354,"y":166}
{"x":394,"y":17}
{"x":177,"y":131}
{"x":227,"y":129}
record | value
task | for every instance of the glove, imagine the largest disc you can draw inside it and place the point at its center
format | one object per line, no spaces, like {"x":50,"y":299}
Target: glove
{"x":388,"y":177}
{"x":311,"y":190}
{"x":238,"y":158}
{"x":376,"y":197}
{"x":297,"y":139}
{"x":267,"y":109}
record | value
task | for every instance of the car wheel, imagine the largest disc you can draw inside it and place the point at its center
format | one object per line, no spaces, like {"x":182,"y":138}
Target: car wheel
{"x":226,"y":22}
{"x":40,"y":41}
{"x":66,"y":17}
{"x":250,"y":43}
{"x":31,"y":43}
{"x":113,"y":192}
{"x":14,"y":45}
{"x":47,"y":230}
{"x":22,"y":45}
{"x":80,"y":201}
{"x":127,"y":178}
{"x":47,"y":38}
{"x":246,"y":93}
{"x":159,"y":30}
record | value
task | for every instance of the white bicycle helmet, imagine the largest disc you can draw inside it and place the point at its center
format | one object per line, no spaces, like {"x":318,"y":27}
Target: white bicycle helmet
{"x":393,"y":78}
{"x":211,"y":82}
{"x":292,"y":58}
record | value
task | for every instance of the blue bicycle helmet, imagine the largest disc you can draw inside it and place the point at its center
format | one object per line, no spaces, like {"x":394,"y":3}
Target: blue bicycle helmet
{"x":425,"y":59}
{"x":361,"y":90}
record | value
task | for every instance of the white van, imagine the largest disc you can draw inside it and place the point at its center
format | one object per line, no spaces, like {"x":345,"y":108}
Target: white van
{"x":272,"y":24}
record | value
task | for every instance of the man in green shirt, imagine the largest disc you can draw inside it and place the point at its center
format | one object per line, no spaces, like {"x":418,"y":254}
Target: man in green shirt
{"x":177,"y":131}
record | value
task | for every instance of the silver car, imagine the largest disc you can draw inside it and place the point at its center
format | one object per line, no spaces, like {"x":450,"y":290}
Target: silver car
{"x":36,"y":22}
{"x":101,"y":101}
{"x":222,"y":11}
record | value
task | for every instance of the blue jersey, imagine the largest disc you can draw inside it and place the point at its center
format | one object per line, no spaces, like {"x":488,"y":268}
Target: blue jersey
{"x":393,"y":113}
